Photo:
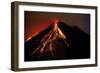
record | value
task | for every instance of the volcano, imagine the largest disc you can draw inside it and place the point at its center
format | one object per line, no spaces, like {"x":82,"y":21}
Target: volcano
{"x":57,"y":42}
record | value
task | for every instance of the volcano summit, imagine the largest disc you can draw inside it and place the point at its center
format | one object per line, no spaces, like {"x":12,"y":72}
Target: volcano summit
{"x":57,"y":42}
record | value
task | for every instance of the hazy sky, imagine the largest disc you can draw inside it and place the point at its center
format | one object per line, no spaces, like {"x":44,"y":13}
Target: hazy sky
{"x":37,"y":21}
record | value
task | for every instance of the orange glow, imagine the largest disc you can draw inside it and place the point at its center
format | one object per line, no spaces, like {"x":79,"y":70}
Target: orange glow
{"x":56,"y":28}
{"x":31,"y":36}
{"x":28,"y":38}
{"x":35,"y":31}
{"x":55,"y":22}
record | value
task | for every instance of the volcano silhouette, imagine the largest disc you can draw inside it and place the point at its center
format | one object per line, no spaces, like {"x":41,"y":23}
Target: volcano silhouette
{"x":57,"y":42}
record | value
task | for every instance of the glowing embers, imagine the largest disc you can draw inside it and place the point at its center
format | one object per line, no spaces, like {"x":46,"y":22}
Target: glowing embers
{"x":57,"y":31}
{"x":49,"y":42}
{"x":55,"y":24}
{"x":28,"y":38}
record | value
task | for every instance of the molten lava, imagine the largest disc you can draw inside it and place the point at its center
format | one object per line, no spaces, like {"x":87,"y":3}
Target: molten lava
{"x":49,"y":41}
{"x":28,"y":38}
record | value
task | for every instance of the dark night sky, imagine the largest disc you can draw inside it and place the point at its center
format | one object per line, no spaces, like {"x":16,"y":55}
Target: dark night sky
{"x":37,"y":21}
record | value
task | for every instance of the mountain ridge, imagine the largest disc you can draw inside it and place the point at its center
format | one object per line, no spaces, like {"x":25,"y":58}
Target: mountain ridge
{"x":75,"y":39}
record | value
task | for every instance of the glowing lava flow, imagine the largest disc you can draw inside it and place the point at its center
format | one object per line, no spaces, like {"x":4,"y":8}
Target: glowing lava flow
{"x":48,"y":41}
